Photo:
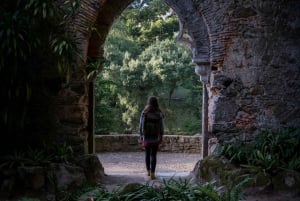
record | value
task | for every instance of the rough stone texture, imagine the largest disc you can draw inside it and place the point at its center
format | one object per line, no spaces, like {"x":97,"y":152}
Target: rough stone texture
{"x":32,"y":177}
{"x":221,"y":170}
{"x":212,"y":145}
{"x":253,"y":48}
{"x":257,"y":84}
{"x":66,"y":177}
{"x":132,"y":143}
{"x":51,"y":179}
{"x":92,"y":167}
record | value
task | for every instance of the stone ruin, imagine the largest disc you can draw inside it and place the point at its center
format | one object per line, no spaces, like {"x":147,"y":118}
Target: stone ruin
{"x":248,"y":58}
{"x":245,"y":52}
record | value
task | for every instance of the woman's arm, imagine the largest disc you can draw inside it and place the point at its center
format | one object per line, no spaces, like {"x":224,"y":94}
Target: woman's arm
{"x":141,"y":124}
{"x":162,"y":125}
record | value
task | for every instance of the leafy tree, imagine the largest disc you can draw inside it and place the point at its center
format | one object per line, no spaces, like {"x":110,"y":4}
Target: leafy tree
{"x":118,"y":43}
{"x":138,"y":4}
{"x":143,"y":59}
{"x":148,"y":23}
{"x":160,"y":70}
{"x":105,"y":106}
{"x":170,"y":62}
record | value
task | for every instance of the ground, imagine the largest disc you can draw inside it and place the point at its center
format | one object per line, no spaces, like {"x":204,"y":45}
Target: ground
{"x":128,"y":167}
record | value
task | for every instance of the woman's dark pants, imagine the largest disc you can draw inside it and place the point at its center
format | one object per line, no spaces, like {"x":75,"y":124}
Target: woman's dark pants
{"x":151,"y":152}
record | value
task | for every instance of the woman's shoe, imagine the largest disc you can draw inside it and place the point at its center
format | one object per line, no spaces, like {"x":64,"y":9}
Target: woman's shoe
{"x":148,"y":172}
{"x":152,"y":175}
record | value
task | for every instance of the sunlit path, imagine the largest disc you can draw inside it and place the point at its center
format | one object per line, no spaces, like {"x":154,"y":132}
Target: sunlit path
{"x":133,"y":163}
{"x":128,"y":167}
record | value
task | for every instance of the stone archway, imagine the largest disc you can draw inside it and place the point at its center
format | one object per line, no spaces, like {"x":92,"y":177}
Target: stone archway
{"x":102,"y":15}
{"x":241,"y":48}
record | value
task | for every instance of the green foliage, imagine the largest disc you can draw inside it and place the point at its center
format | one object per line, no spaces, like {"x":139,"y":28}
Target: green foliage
{"x":118,"y":43}
{"x":236,"y":192}
{"x":191,"y":126}
{"x":14,"y":160}
{"x":169,"y":63}
{"x":159,"y":30}
{"x":33,"y":41}
{"x":160,"y":70}
{"x":106,"y":109}
{"x":62,"y":152}
{"x":37,"y":157}
{"x":42,"y":156}
{"x":270,"y":151}
{"x":74,"y":195}
{"x":237,"y":152}
{"x":138,"y":4}
{"x":145,"y":23}
{"x":175,"y":190}
{"x":142,"y":60}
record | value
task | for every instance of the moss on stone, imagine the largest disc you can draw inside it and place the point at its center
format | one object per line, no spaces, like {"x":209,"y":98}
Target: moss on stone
{"x":219,"y":169}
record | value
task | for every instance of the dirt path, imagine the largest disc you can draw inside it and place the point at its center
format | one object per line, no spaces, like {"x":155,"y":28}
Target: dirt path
{"x":129,"y":167}
{"x":123,"y":168}
{"x":133,"y":163}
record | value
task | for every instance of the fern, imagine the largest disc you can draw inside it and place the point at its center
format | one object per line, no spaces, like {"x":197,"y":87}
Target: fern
{"x":236,"y":192}
{"x":270,"y":151}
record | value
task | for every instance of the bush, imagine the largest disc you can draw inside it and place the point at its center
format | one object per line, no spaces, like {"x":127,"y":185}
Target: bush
{"x":270,"y":151}
{"x":38,"y":157}
{"x":175,"y":190}
{"x":192,"y":126}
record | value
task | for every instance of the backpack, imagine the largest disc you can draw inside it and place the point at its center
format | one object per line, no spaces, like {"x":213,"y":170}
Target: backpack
{"x":152,"y":125}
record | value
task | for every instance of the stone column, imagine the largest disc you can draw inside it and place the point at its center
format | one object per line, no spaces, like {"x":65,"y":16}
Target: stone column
{"x":203,"y":70}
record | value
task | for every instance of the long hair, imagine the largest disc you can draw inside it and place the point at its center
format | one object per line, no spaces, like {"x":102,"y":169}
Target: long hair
{"x":152,"y":104}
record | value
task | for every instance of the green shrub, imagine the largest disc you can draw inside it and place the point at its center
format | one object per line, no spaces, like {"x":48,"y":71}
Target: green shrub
{"x":76,"y":193}
{"x":270,"y":151}
{"x":176,"y":190}
{"x":192,"y":126}
{"x":38,"y":157}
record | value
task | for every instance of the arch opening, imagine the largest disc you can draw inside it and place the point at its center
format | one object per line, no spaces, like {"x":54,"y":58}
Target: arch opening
{"x":216,"y":31}
{"x":199,"y":46}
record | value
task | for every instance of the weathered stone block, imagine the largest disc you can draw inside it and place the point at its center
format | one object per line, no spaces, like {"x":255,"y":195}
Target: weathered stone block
{"x":65,"y":176}
{"x":92,"y":167}
{"x":32,"y":177}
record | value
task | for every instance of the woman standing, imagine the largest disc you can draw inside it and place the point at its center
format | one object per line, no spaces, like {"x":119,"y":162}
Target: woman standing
{"x":151,"y":130}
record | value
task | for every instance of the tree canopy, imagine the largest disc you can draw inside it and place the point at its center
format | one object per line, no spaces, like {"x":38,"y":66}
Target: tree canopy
{"x":143,"y":59}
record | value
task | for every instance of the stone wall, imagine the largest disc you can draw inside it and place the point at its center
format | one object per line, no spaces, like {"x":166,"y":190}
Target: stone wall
{"x":256,"y":84}
{"x":131,"y":142}
{"x":253,"y":50}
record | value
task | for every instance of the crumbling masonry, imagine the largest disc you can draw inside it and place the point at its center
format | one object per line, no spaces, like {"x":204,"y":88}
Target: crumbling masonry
{"x":246,"y":51}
